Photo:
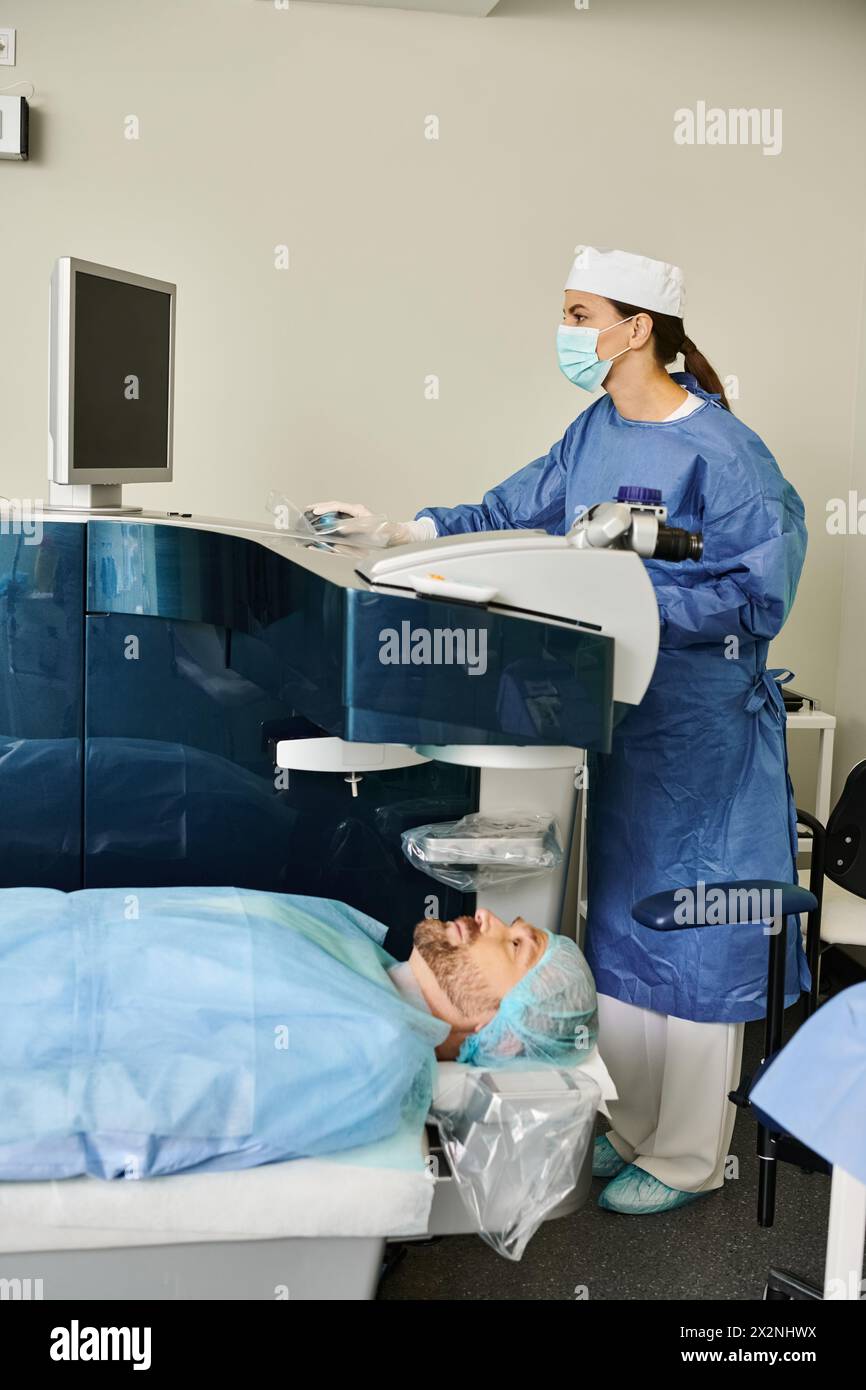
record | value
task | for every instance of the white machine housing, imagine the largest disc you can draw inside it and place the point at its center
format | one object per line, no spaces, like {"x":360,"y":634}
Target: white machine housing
{"x":534,"y":575}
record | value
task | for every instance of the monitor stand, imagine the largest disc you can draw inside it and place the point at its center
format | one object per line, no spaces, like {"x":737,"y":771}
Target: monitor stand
{"x":88,"y":497}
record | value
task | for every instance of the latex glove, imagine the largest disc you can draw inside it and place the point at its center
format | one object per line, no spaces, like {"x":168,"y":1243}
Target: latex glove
{"x":353,"y":508}
{"x":387,"y":533}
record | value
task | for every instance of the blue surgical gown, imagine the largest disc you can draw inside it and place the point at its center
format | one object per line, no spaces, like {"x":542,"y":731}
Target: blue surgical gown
{"x":696,"y":786}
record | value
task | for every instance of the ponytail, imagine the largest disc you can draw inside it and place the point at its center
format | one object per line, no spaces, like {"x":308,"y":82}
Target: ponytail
{"x":705,"y":375}
{"x":669,"y":340}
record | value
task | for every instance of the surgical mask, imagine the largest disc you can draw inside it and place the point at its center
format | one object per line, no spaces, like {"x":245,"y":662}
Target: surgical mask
{"x":578,"y":358}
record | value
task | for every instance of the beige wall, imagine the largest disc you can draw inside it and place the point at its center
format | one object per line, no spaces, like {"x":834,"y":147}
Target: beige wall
{"x":411,"y":256}
{"x":851,"y":692}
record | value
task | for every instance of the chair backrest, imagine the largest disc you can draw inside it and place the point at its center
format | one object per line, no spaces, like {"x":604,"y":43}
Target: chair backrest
{"x":845,"y":856}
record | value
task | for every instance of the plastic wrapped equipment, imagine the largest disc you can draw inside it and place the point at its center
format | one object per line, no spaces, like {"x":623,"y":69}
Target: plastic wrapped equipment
{"x":516,"y":1150}
{"x":485,"y":850}
{"x":372,"y":531}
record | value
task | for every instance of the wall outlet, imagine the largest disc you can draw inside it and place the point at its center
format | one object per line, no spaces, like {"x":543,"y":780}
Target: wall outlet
{"x":7,"y":48}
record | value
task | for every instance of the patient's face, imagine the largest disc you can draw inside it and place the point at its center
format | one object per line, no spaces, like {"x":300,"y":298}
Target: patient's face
{"x":472,"y":962}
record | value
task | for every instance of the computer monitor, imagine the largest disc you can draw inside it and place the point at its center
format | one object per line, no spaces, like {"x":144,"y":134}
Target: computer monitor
{"x":112,"y":383}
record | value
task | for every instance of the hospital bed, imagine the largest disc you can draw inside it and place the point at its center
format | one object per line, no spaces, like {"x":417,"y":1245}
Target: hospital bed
{"x":308,"y":1230}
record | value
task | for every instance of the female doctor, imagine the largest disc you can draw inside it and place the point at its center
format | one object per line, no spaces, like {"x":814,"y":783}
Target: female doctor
{"x":696,"y":786}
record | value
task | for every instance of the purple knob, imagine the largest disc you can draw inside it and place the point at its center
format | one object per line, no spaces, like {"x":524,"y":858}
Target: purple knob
{"x":650,"y":495}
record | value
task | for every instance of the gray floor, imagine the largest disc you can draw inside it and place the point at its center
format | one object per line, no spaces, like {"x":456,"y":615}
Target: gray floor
{"x":712,"y":1249}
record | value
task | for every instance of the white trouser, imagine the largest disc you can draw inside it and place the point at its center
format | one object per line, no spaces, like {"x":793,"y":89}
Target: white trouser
{"x":673,"y":1117}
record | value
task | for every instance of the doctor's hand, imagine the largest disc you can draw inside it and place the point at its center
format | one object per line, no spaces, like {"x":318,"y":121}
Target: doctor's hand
{"x":379,"y":531}
{"x":352,"y":509}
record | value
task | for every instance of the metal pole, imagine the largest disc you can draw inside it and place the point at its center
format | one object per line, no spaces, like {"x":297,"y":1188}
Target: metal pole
{"x":772,"y":1044}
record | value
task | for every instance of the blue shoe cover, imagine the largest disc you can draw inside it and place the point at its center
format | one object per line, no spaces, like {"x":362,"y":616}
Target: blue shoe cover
{"x":638,"y":1193}
{"x":606,"y":1162}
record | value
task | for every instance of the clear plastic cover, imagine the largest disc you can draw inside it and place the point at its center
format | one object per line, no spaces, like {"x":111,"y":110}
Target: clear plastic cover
{"x":485,"y":850}
{"x":516,"y":1143}
{"x":372,"y":531}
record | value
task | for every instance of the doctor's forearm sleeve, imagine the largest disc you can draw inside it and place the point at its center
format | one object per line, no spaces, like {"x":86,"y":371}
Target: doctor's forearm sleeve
{"x":532,"y":498}
{"x":745,"y":584}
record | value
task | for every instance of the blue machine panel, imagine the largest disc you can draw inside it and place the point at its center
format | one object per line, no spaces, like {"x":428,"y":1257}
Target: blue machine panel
{"x":41,"y":697}
{"x":146,"y":672}
{"x":182,"y":712}
{"x":542,"y":683}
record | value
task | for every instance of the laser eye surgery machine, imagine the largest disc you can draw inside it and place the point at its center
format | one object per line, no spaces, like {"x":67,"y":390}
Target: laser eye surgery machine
{"x":189,"y":700}
{"x":247,"y":681}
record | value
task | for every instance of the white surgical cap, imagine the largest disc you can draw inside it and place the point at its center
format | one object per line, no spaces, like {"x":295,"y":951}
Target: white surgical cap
{"x":628,"y":278}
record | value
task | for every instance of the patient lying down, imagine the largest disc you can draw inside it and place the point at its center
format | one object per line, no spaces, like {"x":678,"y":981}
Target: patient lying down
{"x":505,"y":990}
{"x":148,"y":1031}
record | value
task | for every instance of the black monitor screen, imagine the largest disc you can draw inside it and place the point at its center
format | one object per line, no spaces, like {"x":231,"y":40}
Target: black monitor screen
{"x":122,"y":369}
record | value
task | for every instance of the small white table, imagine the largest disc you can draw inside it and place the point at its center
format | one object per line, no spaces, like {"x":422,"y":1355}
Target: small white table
{"x":824,"y":725}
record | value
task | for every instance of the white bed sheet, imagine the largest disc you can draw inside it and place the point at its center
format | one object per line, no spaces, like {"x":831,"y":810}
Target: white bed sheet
{"x":378,"y":1190}
{"x":300,"y":1198}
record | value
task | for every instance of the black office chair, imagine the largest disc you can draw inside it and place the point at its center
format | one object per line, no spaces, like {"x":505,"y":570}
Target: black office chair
{"x":742,"y":904}
{"x":839,"y":854}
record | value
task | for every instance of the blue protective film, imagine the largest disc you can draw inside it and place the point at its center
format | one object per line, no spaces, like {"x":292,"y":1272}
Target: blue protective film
{"x":815,"y":1089}
{"x":154,"y":1030}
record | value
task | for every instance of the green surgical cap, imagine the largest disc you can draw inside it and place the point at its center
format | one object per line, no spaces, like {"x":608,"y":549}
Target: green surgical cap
{"x":551,"y":1015}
